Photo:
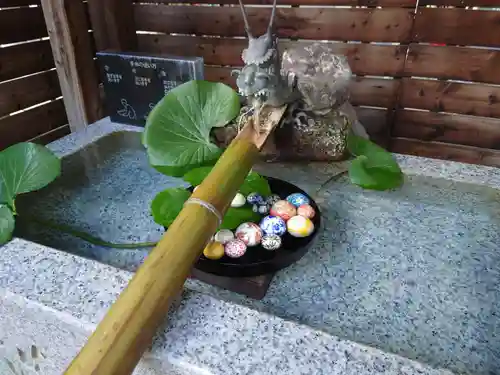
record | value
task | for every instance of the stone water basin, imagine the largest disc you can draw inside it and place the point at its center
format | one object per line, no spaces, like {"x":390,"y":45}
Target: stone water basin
{"x":414,"y":272}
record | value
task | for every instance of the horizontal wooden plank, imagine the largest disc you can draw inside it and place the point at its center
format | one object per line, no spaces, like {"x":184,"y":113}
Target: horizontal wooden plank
{"x":475,"y":131}
{"x":20,"y":24}
{"x":460,"y":3}
{"x":17,"y":3}
{"x":460,"y":63}
{"x":457,"y":26}
{"x":379,"y":25}
{"x":220,"y":74}
{"x":374,"y":92}
{"x":453,"y":97}
{"x":24,"y":59}
{"x":371,"y":3}
{"x":364,"y":59}
{"x":53,"y":135}
{"x":27,"y":125}
{"x":26,"y":92}
{"x":443,"y":151}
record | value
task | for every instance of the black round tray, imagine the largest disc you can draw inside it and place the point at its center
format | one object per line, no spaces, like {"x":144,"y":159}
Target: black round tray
{"x":257,"y":260}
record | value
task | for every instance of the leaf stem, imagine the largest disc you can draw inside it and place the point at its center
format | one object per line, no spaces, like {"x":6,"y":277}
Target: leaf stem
{"x":85,"y":236}
{"x":330,"y":179}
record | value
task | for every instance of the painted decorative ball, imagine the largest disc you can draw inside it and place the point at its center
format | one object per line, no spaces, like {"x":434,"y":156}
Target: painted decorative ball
{"x":249,"y":233}
{"x":255,"y":198}
{"x":235,"y":248}
{"x":238,"y":200}
{"x":283,"y":209}
{"x":300,"y":226}
{"x":214,"y":250}
{"x":271,"y":242}
{"x":298,"y":199}
{"x":273,"y":225}
{"x":262,"y":209}
{"x":223,"y":236}
{"x":272,"y":199}
{"x":306,"y":210}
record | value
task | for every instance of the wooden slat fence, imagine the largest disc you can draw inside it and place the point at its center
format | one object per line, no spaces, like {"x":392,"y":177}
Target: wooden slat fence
{"x":31,"y":105}
{"x":457,"y":114}
{"x":216,"y":33}
{"x":425,"y":73}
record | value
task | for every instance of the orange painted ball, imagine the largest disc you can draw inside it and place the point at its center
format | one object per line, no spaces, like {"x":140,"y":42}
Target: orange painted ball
{"x":306,"y":210}
{"x":283,"y":209}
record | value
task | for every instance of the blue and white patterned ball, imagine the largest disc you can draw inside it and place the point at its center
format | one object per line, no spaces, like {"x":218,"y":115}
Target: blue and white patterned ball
{"x":262,"y":209}
{"x":272,"y":199}
{"x":297,"y":199}
{"x":255,"y":198}
{"x":273,"y":225}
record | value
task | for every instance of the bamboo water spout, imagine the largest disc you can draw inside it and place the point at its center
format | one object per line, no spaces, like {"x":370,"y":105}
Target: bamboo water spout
{"x":127,"y":330}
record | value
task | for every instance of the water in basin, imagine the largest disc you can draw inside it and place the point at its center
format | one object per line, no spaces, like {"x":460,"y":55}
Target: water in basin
{"x":414,"y":272}
{"x":106,"y":190}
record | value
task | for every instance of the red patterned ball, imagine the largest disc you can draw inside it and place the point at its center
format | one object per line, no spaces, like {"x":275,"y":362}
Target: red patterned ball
{"x":235,"y":248}
{"x":249,"y":233}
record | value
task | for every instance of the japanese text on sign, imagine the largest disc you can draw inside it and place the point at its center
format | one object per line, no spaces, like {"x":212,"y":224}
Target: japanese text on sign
{"x":169,"y":85}
{"x":114,"y":78}
{"x":142,"y":81}
{"x":142,"y":64}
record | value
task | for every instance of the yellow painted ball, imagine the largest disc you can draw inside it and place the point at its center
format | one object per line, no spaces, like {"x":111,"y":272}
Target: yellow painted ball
{"x":299,"y":226}
{"x":214,"y":250}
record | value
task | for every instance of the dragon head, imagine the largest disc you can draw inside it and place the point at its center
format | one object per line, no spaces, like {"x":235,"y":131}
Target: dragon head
{"x":260,"y":49}
{"x":253,"y":83}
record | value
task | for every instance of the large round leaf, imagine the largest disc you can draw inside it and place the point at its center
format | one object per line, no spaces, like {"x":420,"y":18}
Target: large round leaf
{"x":376,"y":156}
{"x":26,"y":167}
{"x":373,"y":178}
{"x":7,"y":223}
{"x":238,"y":215}
{"x":255,"y":183}
{"x":374,"y":168}
{"x":177,"y":131}
{"x":168,"y":204}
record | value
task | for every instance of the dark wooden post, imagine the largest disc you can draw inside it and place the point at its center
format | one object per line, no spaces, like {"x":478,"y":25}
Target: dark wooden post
{"x":113,"y":24}
{"x":68,"y":27}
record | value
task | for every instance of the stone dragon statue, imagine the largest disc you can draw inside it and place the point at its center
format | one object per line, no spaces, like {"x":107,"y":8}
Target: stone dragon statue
{"x":260,"y":81}
{"x":311,"y":79}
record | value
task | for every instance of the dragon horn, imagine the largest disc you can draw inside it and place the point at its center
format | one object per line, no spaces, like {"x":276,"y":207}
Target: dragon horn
{"x":271,"y":21}
{"x":245,"y":19}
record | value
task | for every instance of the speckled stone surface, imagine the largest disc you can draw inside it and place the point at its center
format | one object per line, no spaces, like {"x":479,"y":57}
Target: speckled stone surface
{"x":106,"y":191}
{"x":53,"y":300}
{"x":417,"y":275}
{"x":414,"y":271}
{"x":49,"y":305}
{"x":256,"y":343}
